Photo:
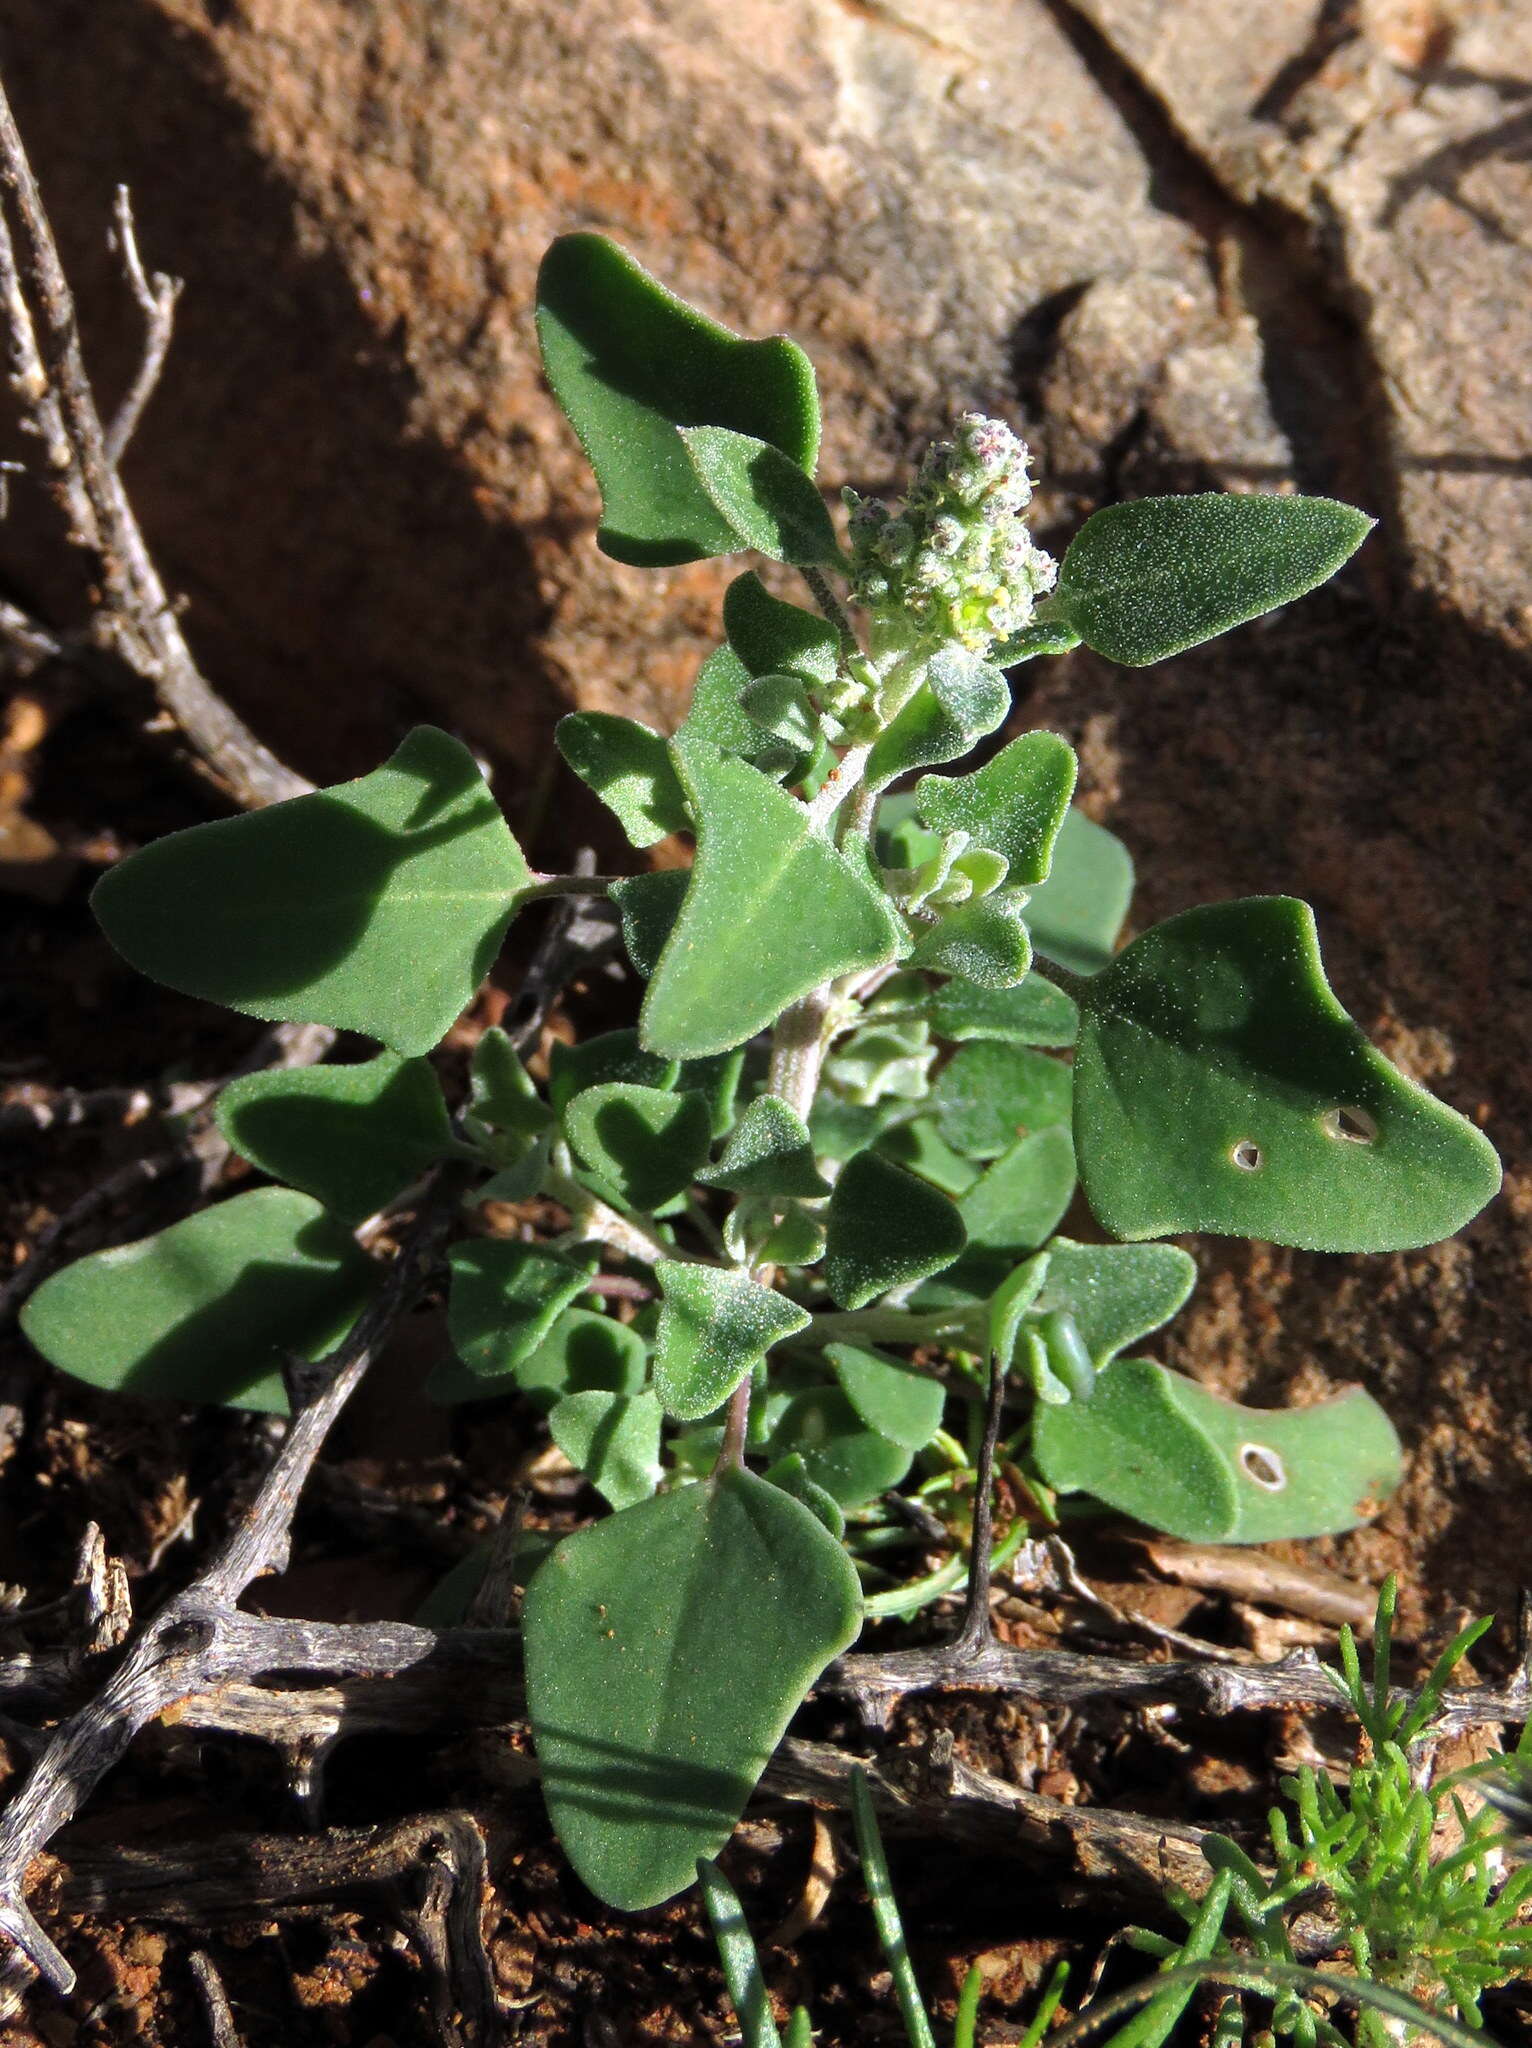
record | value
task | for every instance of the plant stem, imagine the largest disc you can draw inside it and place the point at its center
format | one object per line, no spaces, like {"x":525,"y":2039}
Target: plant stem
{"x":1076,"y":985}
{"x":736,"y":1423}
{"x":896,"y":1326}
{"x":593,"y":1218}
{"x":832,"y":608}
{"x":798,"y":1050}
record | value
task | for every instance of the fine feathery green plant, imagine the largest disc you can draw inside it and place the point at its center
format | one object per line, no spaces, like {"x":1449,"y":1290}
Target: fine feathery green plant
{"x":885,"y":1025}
{"x":1404,"y":1878}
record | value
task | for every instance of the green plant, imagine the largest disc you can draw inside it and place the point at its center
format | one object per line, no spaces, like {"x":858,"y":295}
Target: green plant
{"x":747,"y":1987}
{"x":843,"y":1233}
{"x":1403,"y":1909}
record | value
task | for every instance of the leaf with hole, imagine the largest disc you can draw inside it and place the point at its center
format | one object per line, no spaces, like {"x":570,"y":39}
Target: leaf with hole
{"x":853,"y":1462}
{"x":209,"y":1309}
{"x":632,"y":365}
{"x":772,"y":637}
{"x":628,"y":767}
{"x":614,"y":1439}
{"x":960,"y":700}
{"x":1116,"y":1293}
{"x":667,"y":1648}
{"x":768,"y":1153}
{"x":1076,"y":915}
{"x":1033,"y":1013}
{"x":503,"y":1301}
{"x":715,"y":1327}
{"x":763,"y":497}
{"x":352,"y":1137}
{"x":376,"y":906}
{"x":988,"y":1095}
{"x":1170,"y":1453}
{"x":773,"y":910}
{"x":886,"y":1229}
{"x":645,"y":1143}
{"x":984,"y":941}
{"x":1015,"y":804}
{"x":1145,"y":580}
{"x":1220,"y":1086}
{"x":610,"y":1056}
{"x":895,"y":1400}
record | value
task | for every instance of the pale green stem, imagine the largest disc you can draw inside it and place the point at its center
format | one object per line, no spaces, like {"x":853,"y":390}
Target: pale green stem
{"x":798,"y":1050}
{"x":947,"y":1579}
{"x":842,"y":779}
{"x":592,"y":1218}
{"x":897,"y":1326}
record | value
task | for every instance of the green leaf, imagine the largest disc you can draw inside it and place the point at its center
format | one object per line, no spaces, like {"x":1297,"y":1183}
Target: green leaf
{"x":1075,"y":916}
{"x":1116,"y":1293}
{"x":350,"y":1136}
{"x":631,"y":364}
{"x":667,"y":1648}
{"x":741,"y":1964}
{"x":1015,"y":804}
{"x":886,"y":1229}
{"x":718,"y":716}
{"x":585,"y":1352}
{"x":780,"y":705}
{"x":717,"y":1079}
{"x":614,"y":1439}
{"x":920,"y":1148}
{"x":1145,"y":580}
{"x":645,"y":1143}
{"x":628,"y":767}
{"x":715,"y":1327}
{"x":501,"y":1092}
{"x":1043,"y":636}
{"x":1156,"y":1446}
{"x":984,"y":941}
{"x":772,"y":637}
{"x":792,"y":1475}
{"x":797,"y":1240}
{"x":377,"y":906}
{"x":773,"y":911}
{"x":610,"y":1056}
{"x":1010,"y":1304}
{"x":852,"y":1463}
{"x":649,"y":906}
{"x":763,"y":497}
{"x":209,"y":1309}
{"x":988,"y":1095}
{"x":768,"y":1153}
{"x":961,"y":699}
{"x":1017,"y":1203}
{"x":899,"y":1403}
{"x":1220,"y":1086}
{"x":504,"y":1300}
{"x":1034,"y":1013}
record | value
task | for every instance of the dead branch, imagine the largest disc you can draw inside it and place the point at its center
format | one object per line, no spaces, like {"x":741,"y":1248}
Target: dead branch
{"x":156,"y":298}
{"x":135,"y":619}
{"x":31,"y":1109}
{"x":198,"y":1638}
{"x":215,"y":2000}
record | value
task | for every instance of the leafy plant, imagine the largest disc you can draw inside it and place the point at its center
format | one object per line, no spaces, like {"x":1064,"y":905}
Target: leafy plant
{"x":1406,"y":1881}
{"x":885,"y":1016}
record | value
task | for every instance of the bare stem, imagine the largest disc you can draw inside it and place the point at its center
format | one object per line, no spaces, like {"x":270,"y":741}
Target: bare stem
{"x":798,"y":1049}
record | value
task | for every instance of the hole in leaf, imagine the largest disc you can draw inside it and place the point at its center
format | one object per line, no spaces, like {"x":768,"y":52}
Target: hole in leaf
{"x":1262,"y":1465}
{"x":1247,"y":1156}
{"x":1354,"y":1126}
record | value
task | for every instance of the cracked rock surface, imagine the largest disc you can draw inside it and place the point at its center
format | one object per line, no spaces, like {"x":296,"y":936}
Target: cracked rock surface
{"x":1176,"y":257}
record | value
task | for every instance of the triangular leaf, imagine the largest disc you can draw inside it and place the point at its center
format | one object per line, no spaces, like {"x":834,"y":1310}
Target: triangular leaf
{"x":585,"y":1351}
{"x":984,"y":941}
{"x":629,"y":768}
{"x":1220,"y":1086}
{"x":850,"y":1461}
{"x":630,"y":364}
{"x":1144,"y":580}
{"x":1116,"y":1293}
{"x":376,"y":906}
{"x":614,"y":1439}
{"x":988,"y":1095}
{"x":886,"y":1229}
{"x":352,"y":1137}
{"x":766,"y":500}
{"x":504,"y":1300}
{"x":1157,"y":1446}
{"x":715,"y":1327}
{"x":961,"y":699}
{"x":898,"y":1402}
{"x":1017,"y":1203}
{"x":1015,"y":804}
{"x":649,"y":906}
{"x":209,"y":1309}
{"x":645,"y":1142}
{"x":501,"y":1091}
{"x":609,"y":1056}
{"x":773,"y":911}
{"x":1075,"y":916}
{"x":772,"y":637}
{"x":768,"y":1153}
{"x":667,"y":1648}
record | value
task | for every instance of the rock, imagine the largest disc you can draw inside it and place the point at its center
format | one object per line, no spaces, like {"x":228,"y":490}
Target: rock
{"x":1177,"y":258}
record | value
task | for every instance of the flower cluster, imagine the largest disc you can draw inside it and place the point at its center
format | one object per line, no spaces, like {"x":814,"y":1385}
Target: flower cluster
{"x":958,"y":562}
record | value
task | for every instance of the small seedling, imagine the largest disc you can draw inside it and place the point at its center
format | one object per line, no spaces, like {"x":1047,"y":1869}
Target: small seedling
{"x":885,"y":1025}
